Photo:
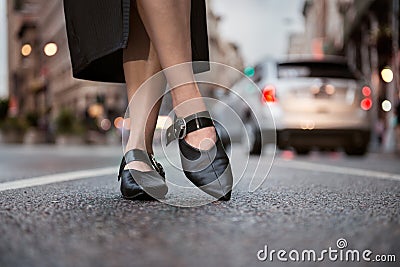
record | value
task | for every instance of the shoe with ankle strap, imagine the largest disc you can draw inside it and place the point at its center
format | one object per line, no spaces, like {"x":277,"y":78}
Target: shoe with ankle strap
{"x":209,"y":170}
{"x":137,"y":184}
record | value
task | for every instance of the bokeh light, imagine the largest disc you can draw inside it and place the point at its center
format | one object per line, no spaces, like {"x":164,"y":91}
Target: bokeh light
{"x":366,"y":104}
{"x":249,"y":71}
{"x":308,"y":125}
{"x":366,"y":91}
{"x":96,"y":110}
{"x":387,"y":75}
{"x":315,"y":89}
{"x":105,"y":124}
{"x":118,"y":123}
{"x":330,"y":89}
{"x":50,"y":49}
{"x":386,"y":105}
{"x":26,"y":50}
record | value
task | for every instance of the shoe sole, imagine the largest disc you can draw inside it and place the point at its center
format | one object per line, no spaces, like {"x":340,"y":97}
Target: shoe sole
{"x":142,"y":196}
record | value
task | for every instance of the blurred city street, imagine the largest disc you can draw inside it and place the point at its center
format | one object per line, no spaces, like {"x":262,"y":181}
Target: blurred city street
{"x":304,"y":96}
{"x":307,"y":202}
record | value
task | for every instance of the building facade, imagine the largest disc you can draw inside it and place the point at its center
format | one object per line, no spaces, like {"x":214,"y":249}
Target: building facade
{"x":323,"y":27}
{"x":40,"y":81}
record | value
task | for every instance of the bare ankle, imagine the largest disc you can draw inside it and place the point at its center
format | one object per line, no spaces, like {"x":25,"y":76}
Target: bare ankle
{"x":203,"y":139}
{"x":137,"y":165}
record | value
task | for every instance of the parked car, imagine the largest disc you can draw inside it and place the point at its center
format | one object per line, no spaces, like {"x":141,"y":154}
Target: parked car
{"x":312,"y":103}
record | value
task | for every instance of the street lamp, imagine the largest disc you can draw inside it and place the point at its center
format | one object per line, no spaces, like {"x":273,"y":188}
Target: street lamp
{"x":49,"y":50}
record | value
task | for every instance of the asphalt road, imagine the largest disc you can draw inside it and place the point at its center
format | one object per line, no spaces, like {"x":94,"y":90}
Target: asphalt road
{"x":306,"y":203}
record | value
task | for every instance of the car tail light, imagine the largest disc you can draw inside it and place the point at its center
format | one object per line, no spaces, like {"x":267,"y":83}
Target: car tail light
{"x":366,"y":91}
{"x":268,"y":94}
{"x":366,"y":102}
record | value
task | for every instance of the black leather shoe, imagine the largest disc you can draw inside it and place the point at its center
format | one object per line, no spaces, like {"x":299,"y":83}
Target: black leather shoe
{"x":209,"y":170}
{"x":144,"y":185}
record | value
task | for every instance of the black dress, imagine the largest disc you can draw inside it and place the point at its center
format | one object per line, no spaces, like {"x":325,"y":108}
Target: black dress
{"x":98,"y":30}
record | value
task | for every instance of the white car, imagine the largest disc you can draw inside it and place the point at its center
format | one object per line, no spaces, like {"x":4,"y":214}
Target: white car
{"x":311,"y":103}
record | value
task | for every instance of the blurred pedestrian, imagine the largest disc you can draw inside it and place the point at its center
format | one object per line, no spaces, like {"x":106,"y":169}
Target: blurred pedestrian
{"x":129,"y":41}
{"x":380,"y":131}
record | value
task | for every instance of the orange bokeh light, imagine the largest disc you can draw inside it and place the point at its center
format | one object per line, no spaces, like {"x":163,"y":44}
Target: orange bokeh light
{"x":118,"y":123}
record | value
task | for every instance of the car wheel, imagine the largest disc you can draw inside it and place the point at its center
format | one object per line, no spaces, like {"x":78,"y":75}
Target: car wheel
{"x":302,"y":150}
{"x":356,"y":151}
{"x":254,"y":135}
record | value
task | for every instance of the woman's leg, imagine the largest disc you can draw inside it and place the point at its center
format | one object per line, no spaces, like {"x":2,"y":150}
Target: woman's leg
{"x":167,"y":23}
{"x":140,"y":63}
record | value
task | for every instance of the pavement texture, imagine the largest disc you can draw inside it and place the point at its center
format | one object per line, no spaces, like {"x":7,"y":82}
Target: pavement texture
{"x":86,"y":222}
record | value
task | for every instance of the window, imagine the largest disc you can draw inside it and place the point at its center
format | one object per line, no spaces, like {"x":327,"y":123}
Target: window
{"x":315,"y":70}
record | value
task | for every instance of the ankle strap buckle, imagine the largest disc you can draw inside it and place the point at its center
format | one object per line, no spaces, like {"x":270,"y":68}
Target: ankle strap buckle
{"x":180,"y":128}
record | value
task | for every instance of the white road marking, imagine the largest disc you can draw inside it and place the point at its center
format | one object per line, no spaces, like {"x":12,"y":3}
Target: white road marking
{"x":57,"y":178}
{"x":301,"y":165}
{"x":85,"y":174}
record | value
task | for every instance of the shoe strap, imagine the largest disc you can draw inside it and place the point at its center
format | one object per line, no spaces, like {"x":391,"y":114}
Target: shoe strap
{"x":138,"y":155}
{"x":182,"y":126}
{"x":121,"y":168}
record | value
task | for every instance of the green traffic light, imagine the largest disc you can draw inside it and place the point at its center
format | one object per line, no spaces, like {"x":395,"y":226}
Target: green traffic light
{"x":249,"y":71}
